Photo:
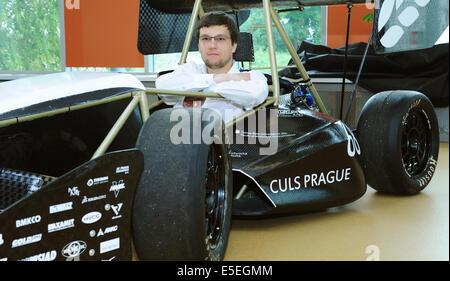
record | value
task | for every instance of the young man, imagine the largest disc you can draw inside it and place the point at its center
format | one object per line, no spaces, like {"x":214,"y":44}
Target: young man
{"x":217,"y":41}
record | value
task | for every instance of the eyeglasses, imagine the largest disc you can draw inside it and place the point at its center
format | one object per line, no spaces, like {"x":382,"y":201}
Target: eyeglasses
{"x":220,"y":39}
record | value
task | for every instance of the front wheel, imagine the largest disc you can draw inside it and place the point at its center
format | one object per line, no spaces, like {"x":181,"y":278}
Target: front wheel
{"x":182,"y":208}
{"x":399,"y":137}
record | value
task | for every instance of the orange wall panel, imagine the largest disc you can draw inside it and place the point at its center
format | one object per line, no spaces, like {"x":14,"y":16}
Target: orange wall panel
{"x":337,"y":25}
{"x":102,"y":33}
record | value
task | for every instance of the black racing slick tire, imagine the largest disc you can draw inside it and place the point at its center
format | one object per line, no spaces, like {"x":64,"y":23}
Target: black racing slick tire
{"x":399,"y":137}
{"x":182,"y":208}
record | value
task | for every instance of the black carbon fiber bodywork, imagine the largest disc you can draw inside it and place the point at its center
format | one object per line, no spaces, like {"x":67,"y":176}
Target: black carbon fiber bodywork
{"x":52,"y":219}
{"x":315,"y":167}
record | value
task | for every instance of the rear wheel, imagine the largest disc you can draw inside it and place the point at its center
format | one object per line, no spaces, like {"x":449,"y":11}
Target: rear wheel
{"x":399,"y":137}
{"x":182,"y":208}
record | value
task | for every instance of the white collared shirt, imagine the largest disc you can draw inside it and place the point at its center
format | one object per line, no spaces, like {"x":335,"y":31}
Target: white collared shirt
{"x":238,"y":95}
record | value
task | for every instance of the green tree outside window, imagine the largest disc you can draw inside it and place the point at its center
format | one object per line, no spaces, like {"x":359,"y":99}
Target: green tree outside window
{"x":29,"y":35}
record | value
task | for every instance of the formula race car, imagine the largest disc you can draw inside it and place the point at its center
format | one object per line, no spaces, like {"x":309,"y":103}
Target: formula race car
{"x":87,"y":174}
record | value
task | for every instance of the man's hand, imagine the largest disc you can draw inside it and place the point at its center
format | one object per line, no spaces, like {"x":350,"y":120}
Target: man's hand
{"x":218,"y":78}
{"x":193,"y":102}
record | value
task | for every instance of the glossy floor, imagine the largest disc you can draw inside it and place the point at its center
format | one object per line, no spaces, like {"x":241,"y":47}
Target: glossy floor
{"x":374,"y":227}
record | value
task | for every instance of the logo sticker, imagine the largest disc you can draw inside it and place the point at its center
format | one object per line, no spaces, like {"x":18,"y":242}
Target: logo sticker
{"x":60,"y":207}
{"x":116,"y":187}
{"x":110,"y":229}
{"x":28,"y":221}
{"x":96,"y":181}
{"x":48,"y":256}
{"x":91,"y":199}
{"x":91,"y":217}
{"x":74,"y":249}
{"x":27,"y":240}
{"x":116,"y":209}
{"x":61,"y":225}
{"x":123,"y":169}
{"x":73,"y":191}
{"x":109,"y":245}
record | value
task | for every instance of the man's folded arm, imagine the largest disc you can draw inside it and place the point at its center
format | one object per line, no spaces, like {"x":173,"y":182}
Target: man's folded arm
{"x":182,"y":79}
{"x":247,"y":89}
{"x":248,"y":94}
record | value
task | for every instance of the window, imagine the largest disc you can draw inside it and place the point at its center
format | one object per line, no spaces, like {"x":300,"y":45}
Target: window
{"x":299,"y":26}
{"x":30,"y":36}
{"x":163,"y":62}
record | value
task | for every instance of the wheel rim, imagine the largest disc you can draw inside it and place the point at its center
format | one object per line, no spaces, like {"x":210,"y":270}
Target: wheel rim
{"x":215,"y":198}
{"x":415,"y":144}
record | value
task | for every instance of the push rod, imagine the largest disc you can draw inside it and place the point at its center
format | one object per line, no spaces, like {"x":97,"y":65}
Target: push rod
{"x":271,"y":46}
{"x":196,"y":12}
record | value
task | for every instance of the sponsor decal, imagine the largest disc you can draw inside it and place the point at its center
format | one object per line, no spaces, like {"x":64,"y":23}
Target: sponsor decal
{"x":424,"y":180}
{"x":107,"y":230}
{"x":116,"y":187}
{"x":91,"y":217}
{"x":61,"y":225}
{"x":26,"y":240}
{"x":109,"y":245}
{"x":28,"y":221}
{"x":47,"y":256}
{"x":238,"y":154}
{"x":100,"y":180}
{"x":60,"y":207}
{"x":91,"y":199}
{"x":310,"y":180}
{"x":73,"y":191}
{"x":74,"y":249}
{"x":289,"y":112}
{"x":116,"y":209}
{"x":414,"y":104}
{"x":263,"y":135}
{"x":123,"y":169}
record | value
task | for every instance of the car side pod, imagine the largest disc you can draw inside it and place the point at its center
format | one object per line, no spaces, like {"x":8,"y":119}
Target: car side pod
{"x":315,"y":167}
{"x":84,"y":215}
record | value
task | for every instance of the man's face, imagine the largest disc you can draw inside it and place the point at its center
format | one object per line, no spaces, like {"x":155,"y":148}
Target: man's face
{"x":216,"y":53}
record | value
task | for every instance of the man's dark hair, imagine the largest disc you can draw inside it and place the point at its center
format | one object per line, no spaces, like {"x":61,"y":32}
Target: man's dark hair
{"x":218,"y":18}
